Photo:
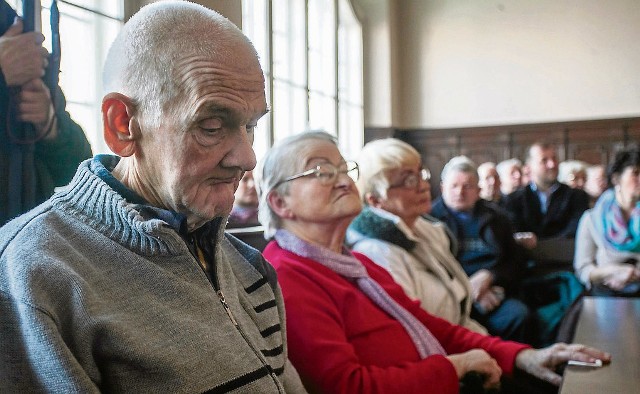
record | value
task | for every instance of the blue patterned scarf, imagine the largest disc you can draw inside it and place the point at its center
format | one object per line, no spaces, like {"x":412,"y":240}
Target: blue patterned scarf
{"x":609,"y":220}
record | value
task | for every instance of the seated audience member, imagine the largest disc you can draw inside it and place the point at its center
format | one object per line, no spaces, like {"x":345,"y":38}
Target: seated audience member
{"x":596,"y":182}
{"x":245,"y":205}
{"x":393,"y":233}
{"x":489,"y":182}
{"x":350,"y":327}
{"x":124,"y":281}
{"x":573,"y":173}
{"x":607,"y":257}
{"x":486,"y":249}
{"x":30,"y":168}
{"x":545,"y":207}
{"x":510,"y":172}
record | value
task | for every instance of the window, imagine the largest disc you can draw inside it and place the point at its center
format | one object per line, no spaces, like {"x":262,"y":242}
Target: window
{"x":87,"y":28}
{"x":311,"y":53}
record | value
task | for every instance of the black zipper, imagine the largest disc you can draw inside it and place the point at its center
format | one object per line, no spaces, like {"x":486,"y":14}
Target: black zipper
{"x":213,"y":280}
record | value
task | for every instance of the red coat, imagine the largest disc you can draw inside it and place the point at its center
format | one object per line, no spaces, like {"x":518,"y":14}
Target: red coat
{"x":341,"y":342}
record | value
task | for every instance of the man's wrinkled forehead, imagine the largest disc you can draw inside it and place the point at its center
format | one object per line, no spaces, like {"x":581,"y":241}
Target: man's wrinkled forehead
{"x":236,"y":72}
{"x":201,"y":76}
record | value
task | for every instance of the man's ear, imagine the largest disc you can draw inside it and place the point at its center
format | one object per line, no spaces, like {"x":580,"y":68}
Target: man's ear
{"x":121,"y":128}
{"x":372,"y":200}
{"x":279,"y":205}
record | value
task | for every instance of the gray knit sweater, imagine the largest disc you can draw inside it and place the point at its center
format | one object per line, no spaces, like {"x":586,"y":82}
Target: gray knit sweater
{"x":94,"y":297}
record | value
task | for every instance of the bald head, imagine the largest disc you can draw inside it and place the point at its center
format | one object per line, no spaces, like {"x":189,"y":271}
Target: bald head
{"x":489,"y":181}
{"x":145,"y":61}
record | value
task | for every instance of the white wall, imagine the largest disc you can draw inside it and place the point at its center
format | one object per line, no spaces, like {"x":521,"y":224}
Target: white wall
{"x":481,"y":62}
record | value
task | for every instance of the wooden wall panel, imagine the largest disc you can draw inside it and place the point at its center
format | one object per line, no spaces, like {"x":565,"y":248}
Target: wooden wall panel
{"x":594,"y":141}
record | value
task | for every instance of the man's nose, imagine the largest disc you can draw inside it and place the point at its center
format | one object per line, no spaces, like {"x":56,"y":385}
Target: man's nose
{"x":241,"y":153}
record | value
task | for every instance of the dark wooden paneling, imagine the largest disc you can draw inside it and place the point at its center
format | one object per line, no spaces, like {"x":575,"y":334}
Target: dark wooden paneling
{"x":594,"y":141}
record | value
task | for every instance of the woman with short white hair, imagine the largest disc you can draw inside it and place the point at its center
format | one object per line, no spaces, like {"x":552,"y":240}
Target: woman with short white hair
{"x":510,"y":172}
{"x":395,"y":231}
{"x":573,"y":173}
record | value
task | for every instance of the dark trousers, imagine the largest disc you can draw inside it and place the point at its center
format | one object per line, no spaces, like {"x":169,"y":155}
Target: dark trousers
{"x":509,"y":321}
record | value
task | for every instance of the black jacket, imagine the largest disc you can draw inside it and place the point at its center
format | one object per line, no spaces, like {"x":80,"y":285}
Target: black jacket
{"x":509,"y":265}
{"x":566,"y":206}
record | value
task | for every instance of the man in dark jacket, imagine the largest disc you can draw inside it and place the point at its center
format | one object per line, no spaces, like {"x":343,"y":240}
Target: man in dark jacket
{"x":31,"y":166}
{"x":486,"y":250}
{"x":545,"y":206}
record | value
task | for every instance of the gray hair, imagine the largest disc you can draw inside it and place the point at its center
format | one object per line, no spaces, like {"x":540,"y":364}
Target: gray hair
{"x":504,"y":167}
{"x":143,"y":60}
{"x":280,"y":162}
{"x":569,"y":167}
{"x":459,"y":164}
{"x":375,"y":160}
{"x":486,"y":165}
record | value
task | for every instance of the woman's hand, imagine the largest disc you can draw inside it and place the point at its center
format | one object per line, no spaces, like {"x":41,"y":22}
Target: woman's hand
{"x":479,"y":361}
{"x":541,"y":363}
{"x":491,"y":299}
{"x":481,"y":282}
{"x":617,"y":277}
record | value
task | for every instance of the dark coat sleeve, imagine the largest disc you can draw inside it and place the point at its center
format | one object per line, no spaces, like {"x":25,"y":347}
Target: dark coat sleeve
{"x":61,"y":156}
{"x":496,"y":230}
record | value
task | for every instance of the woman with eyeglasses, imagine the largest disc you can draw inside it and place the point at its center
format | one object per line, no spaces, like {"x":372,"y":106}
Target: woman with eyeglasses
{"x":395,"y":231}
{"x":350,"y":327}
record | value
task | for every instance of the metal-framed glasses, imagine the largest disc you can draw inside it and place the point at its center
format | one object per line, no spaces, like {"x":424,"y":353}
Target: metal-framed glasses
{"x":326,"y":173}
{"x":412,"y":180}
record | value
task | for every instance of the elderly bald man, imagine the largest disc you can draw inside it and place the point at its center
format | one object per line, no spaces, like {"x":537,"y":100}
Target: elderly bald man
{"x":124,"y":281}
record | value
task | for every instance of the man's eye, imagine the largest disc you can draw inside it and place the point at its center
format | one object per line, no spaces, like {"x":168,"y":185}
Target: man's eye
{"x":210,"y":125}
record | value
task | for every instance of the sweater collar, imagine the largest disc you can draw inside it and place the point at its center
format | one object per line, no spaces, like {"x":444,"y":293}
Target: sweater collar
{"x":379,"y":224}
{"x":122,"y":214}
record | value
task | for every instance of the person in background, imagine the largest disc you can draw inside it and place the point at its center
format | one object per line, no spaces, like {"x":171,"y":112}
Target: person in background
{"x":573,"y":173}
{"x":59,"y":144}
{"x":510,"y":172}
{"x":489,"y":182}
{"x":596,"y":182}
{"x":350,"y":326}
{"x":607,"y":256}
{"x":487,"y":251}
{"x":395,"y":232}
{"x":245,"y":204}
{"x":545,"y":207}
{"x":124,"y":281}
{"x":526,"y":175}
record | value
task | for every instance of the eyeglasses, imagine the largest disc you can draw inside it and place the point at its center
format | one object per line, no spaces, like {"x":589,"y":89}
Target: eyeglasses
{"x":412,"y":180}
{"x":326,"y":173}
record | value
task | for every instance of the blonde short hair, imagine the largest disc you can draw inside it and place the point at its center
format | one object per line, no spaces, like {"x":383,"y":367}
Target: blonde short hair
{"x":376,"y":159}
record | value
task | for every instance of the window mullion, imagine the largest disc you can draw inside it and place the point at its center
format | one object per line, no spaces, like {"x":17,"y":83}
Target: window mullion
{"x":307,"y":50}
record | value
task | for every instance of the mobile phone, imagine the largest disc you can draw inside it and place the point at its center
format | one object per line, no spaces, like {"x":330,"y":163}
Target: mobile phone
{"x":595,"y":364}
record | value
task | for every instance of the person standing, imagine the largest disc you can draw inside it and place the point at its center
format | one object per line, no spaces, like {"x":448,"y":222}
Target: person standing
{"x":30,"y":168}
